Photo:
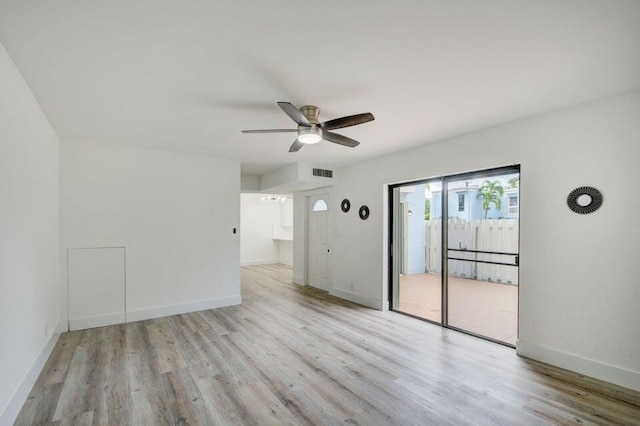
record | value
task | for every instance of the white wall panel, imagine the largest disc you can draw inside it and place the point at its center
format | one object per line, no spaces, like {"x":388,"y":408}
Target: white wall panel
{"x":96,"y":279}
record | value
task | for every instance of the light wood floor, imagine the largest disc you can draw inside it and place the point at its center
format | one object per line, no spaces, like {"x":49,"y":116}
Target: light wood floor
{"x":294,"y":355}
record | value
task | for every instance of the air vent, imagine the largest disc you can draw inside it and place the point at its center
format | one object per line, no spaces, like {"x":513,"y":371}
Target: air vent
{"x":323,"y":173}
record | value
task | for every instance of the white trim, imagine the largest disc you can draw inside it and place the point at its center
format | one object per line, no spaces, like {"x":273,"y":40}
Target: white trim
{"x":385,"y":305}
{"x":609,"y":373}
{"x":259,"y":262}
{"x":183,"y":308}
{"x":298,"y":280}
{"x":97,"y":321}
{"x":356,"y":298}
{"x":150,"y":313}
{"x":21,"y":394}
{"x":317,"y":191}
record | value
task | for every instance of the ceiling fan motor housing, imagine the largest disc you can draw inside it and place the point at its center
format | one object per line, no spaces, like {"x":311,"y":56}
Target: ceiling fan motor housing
{"x":311,"y":112}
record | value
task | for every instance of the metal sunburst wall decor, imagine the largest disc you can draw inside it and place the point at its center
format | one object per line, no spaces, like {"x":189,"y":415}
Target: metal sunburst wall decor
{"x":584,"y":200}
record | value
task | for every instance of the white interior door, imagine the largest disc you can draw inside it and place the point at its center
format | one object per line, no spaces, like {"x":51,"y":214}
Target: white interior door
{"x":96,"y":287}
{"x":318,"y":242}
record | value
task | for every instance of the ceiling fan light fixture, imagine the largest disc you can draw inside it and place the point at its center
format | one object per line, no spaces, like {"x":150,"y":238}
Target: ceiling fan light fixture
{"x":309,"y":135}
{"x":310,"y":130}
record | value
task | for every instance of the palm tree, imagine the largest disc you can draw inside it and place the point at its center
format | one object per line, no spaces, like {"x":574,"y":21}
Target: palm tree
{"x":490,"y":192}
{"x":513,"y":182}
{"x":427,"y":203}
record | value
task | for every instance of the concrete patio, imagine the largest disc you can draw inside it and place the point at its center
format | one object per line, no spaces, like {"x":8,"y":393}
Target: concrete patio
{"x":482,"y":307}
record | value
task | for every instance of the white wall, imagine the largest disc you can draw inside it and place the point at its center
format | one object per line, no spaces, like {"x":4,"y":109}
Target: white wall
{"x":579,"y":275}
{"x":416,"y":229}
{"x":174,"y":213}
{"x":258,"y":219}
{"x":249,"y":183}
{"x":29,"y":311}
{"x":285,"y":252}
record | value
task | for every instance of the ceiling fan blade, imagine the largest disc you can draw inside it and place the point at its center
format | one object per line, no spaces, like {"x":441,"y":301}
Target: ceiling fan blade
{"x":296,"y":146}
{"x":339,"y":139}
{"x":351,"y":120}
{"x":294,"y":113}
{"x":271,"y":131}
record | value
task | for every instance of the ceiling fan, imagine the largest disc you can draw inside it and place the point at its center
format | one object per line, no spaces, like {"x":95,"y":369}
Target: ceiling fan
{"x":311,"y":131}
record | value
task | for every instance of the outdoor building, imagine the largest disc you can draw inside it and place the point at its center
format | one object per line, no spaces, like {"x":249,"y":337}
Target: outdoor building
{"x":465,"y":203}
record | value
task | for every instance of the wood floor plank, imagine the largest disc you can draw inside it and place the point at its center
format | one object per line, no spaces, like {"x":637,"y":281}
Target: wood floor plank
{"x":304,"y":398}
{"x":78,"y":392}
{"x":296,"y":355}
{"x":56,"y":367}
{"x":113,"y":403}
{"x":163,"y":341}
{"x":262,"y":404}
{"x":179,"y":393}
{"x":222,"y":403}
{"x":40,"y":405}
{"x":196,"y":351}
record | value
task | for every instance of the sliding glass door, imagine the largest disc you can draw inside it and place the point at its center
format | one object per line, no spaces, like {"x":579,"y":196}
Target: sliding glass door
{"x":460,"y":271}
{"x":418,"y":278}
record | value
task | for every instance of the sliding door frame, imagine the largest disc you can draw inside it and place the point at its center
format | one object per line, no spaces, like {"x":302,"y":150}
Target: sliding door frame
{"x":444,"y":274}
{"x":393,"y":254}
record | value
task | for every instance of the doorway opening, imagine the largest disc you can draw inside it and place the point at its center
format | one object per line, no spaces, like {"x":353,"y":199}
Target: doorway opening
{"x":454,"y":251}
{"x":266,"y":229}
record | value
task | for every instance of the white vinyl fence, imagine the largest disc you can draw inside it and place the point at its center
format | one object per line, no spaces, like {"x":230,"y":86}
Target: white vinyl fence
{"x":498,"y":235}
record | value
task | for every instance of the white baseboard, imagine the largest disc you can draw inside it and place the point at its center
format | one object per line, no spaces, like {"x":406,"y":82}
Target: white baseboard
{"x":20,"y":396}
{"x":183,"y":308}
{"x":298,"y":280}
{"x":385,"y":305}
{"x":259,"y":262}
{"x":356,"y":298}
{"x":93,"y":322}
{"x":609,"y":373}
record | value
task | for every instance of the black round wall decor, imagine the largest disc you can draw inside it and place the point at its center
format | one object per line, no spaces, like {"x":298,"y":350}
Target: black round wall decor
{"x":364,"y":212}
{"x":345,"y":205}
{"x":590,"y":202}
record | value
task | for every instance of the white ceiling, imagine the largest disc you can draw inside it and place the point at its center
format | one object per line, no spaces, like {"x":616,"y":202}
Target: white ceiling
{"x":188,"y":75}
